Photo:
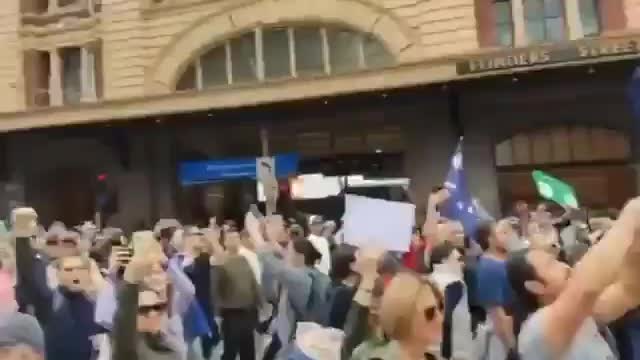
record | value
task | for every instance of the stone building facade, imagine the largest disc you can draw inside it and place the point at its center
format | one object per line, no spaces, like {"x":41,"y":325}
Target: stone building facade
{"x":86,"y":68}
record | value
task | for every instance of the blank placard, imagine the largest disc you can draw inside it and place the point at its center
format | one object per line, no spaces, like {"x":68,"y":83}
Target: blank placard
{"x":387,"y":225}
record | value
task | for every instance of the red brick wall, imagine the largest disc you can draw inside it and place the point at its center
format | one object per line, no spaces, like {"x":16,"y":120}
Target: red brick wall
{"x":612,"y":15}
{"x":485,"y":15}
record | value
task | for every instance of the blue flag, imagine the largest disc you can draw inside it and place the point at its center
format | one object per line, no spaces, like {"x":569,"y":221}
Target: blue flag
{"x":633,"y":93}
{"x":460,"y":205}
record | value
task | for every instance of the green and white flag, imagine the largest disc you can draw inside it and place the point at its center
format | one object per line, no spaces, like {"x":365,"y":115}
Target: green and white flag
{"x":555,"y":189}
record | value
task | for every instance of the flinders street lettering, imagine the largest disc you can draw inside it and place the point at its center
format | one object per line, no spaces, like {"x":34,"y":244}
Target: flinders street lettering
{"x":532,"y":57}
{"x":608,"y":49}
{"x":509,"y":61}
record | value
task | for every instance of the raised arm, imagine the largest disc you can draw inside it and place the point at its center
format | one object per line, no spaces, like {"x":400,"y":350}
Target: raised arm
{"x":623,"y":295}
{"x":430,"y":227}
{"x":125,"y":325}
{"x":124,"y":333}
{"x":598,"y":269}
{"x":356,"y":327}
{"x":183,"y":287}
{"x":31,"y":274}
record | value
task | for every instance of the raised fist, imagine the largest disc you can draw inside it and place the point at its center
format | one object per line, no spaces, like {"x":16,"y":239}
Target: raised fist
{"x":25,"y":222}
{"x":138,"y":268}
{"x":440,"y":196}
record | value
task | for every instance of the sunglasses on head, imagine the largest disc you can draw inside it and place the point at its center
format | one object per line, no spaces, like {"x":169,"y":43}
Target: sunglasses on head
{"x":72,"y":268}
{"x":147,"y":309}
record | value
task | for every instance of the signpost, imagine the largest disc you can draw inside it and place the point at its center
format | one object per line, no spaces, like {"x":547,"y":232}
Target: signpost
{"x":266,"y":175}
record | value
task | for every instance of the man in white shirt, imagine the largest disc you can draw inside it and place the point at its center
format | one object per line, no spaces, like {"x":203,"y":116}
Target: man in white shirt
{"x":316,"y":226}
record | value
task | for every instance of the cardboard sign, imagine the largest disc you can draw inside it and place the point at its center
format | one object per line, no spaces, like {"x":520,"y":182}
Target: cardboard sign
{"x":387,"y":225}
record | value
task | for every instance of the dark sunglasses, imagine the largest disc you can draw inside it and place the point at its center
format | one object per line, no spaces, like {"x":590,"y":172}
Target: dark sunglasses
{"x":430,"y":312}
{"x":147,"y":309}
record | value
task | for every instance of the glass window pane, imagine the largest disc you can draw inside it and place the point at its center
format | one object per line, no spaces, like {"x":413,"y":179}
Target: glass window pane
{"x":375,"y":54}
{"x":534,"y":9}
{"x":535,"y":31}
{"x":188,"y":79}
{"x":214,"y":67}
{"x":555,"y":29}
{"x":243,"y":58}
{"x":590,"y":26}
{"x":344,"y":50}
{"x":589,"y":17}
{"x":275,"y":44}
{"x":553,"y":8}
{"x":309,"y":58}
{"x":503,"y":11}
{"x":71,"y":80}
{"x":505,"y":34}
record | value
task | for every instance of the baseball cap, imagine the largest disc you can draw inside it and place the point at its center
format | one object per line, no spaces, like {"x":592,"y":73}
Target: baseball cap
{"x":21,"y":329}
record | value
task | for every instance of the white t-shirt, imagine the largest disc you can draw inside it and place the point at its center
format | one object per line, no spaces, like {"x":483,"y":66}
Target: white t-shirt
{"x":587,"y":344}
{"x":322,"y":245}
{"x":253,"y":261}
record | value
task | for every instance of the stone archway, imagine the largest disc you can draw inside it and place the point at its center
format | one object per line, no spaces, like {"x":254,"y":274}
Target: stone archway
{"x":172,"y":60}
{"x":593,"y":159}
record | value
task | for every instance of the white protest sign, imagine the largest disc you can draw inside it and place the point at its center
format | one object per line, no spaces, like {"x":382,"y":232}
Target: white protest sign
{"x":378,"y":223}
{"x":266,"y":175}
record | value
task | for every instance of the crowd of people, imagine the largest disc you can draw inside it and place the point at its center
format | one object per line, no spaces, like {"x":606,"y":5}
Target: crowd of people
{"x":530,"y":286}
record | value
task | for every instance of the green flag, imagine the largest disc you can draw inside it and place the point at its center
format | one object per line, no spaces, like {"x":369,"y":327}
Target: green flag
{"x":554,"y":189}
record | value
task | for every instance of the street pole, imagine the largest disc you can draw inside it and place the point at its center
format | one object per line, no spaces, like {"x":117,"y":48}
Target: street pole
{"x":264,"y":141}
{"x":271,"y":198}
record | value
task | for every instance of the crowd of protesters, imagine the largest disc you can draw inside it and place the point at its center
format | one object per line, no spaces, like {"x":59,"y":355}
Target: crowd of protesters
{"x":530,"y":286}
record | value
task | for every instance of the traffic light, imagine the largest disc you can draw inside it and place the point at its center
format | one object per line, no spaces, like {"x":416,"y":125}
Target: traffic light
{"x":106,"y":195}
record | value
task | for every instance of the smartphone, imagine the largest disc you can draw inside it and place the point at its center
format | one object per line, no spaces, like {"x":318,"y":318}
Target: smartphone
{"x":125,"y":253}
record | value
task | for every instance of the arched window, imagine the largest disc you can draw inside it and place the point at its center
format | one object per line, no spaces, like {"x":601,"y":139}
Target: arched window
{"x":563,"y":145}
{"x":285,"y":52}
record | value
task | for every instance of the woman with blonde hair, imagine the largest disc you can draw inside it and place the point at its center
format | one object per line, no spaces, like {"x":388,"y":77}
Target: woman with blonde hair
{"x":411,"y":315}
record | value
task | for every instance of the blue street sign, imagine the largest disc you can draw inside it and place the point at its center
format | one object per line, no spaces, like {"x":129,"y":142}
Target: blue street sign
{"x":210,"y":171}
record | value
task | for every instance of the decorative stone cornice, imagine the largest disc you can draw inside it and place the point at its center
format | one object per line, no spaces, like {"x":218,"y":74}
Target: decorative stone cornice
{"x":62,"y":25}
{"x":160,"y":6}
